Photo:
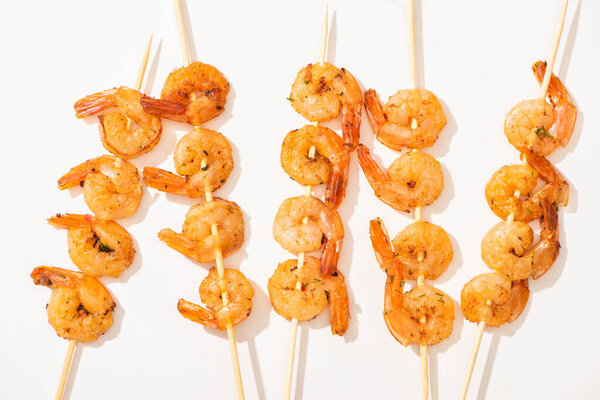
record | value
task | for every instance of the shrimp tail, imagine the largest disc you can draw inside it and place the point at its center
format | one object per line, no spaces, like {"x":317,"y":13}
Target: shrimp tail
{"x":76,"y":175}
{"x":70,"y":220}
{"x":53,"y":277}
{"x":331,"y":255}
{"x":336,"y":188}
{"x":197,"y":313}
{"x":169,"y":182}
{"x":380,"y":241}
{"x":556,"y":89}
{"x":164,"y":108}
{"x":374,"y":110}
{"x":92,"y":104}
{"x":339,"y":310}
{"x":517,"y":299}
{"x":396,"y":319}
{"x":547,"y":249}
{"x":558,"y":189}
{"x":178,"y":242}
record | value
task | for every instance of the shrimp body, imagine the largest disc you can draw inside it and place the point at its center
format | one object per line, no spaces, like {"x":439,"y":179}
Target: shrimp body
{"x":539,"y":125}
{"x":330,"y":164}
{"x":320,"y":90}
{"x":203,"y":160}
{"x":80,"y":307}
{"x":494,"y":299}
{"x":193,"y":94}
{"x":317,"y":290}
{"x":507,"y":249}
{"x":125,"y":129}
{"x":392,"y":123}
{"x":97,"y":247}
{"x":216,"y":315}
{"x":500,"y":190}
{"x":111,"y":186}
{"x":302,"y":224}
{"x":414,"y":179}
{"x":196,"y":240}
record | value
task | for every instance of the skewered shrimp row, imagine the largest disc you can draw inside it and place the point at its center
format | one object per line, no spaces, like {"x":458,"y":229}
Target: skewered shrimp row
{"x":536,"y":128}
{"x":413,"y":119}
{"x":314,"y":155}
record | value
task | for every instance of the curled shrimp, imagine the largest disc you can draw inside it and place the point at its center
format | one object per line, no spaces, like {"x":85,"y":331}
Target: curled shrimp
{"x":494,"y":298}
{"x":504,"y":183}
{"x":317,"y":290}
{"x":216,"y":315}
{"x":196,"y":240}
{"x":393,"y":123}
{"x":421,"y":248}
{"x":193,"y":94}
{"x":111,"y":186}
{"x":330,"y":163}
{"x":319,"y":91}
{"x":80,"y":307}
{"x":539,"y":125}
{"x":203,"y":160}
{"x":414,"y":179}
{"x":97,"y":247}
{"x":125,"y":129}
{"x":507,"y":249}
{"x":302,"y":224}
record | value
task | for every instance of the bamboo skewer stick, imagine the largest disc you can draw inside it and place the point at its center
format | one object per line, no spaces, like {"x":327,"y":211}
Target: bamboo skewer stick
{"x":542,"y":95}
{"x":307,"y":192}
{"x":214,"y":228}
{"x":72,"y":343}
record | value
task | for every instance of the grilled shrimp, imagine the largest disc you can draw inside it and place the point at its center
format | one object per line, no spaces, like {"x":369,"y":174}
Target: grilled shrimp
{"x":196,"y":240}
{"x":98,"y":248}
{"x":111,"y":186}
{"x":317,"y":290}
{"x":80,"y":307}
{"x":330,"y":163}
{"x":414,"y":179}
{"x":125,"y":129}
{"x":539,"y":125}
{"x":421,"y":248}
{"x":494,"y":298}
{"x":506,"y":247}
{"x":320,"y":90}
{"x":393,"y":123}
{"x":203,"y":161}
{"x":216,"y":315}
{"x":501,"y":188}
{"x":303,"y":223}
{"x":193,"y":94}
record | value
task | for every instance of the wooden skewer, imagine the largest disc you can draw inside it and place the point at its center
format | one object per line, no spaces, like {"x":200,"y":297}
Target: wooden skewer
{"x":287,"y":390}
{"x":72,"y":343}
{"x":552,"y":58}
{"x":214,"y":229}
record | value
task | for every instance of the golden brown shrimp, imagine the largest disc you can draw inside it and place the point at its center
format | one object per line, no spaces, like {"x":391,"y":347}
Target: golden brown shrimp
{"x":80,"y":307}
{"x":422,"y":248}
{"x":392,"y":123}
{"x":317,"y":290}
{"x":403,"y":312}
{"x":330,"y":163}
{"x":193,"y":94}
{"x":216,"y":315}
{"x":196,"y":240}
{"x":98,"y":248}
{"x":304,"y":223}
{"x":414,"y":179}
{"x":203,"y":161}
{"x":111,"y":186}
{"x":539,"y":125}
{"x":494,"y":298}
{"x":320,"y":90}
{"x":501,"y":188}
{"x":506,"y":247}
{"x":125,"y":129}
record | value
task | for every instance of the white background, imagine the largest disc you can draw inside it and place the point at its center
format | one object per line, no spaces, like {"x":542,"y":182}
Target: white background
{"x":475,"y":56}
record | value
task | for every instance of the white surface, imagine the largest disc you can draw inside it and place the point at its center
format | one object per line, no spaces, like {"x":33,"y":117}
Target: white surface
{"x":477,"y":58}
